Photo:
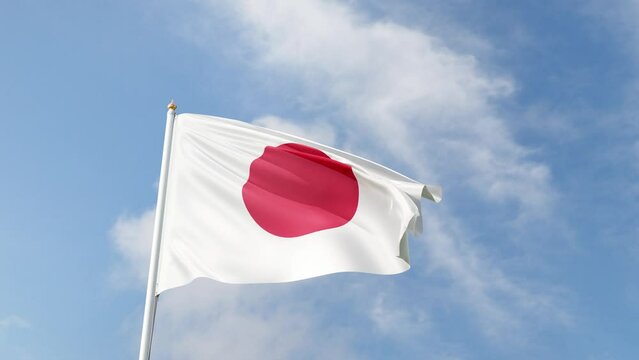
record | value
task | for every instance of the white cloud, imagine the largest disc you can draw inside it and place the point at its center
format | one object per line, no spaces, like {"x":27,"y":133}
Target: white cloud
{"x":504,"y":305}
{"x":14,"y":322}
{"x":619,"y":16}
{"x":132,"y":237}
{"x":395,"y":321}
{"x":243,"y":322}
{"x":401,"y":90}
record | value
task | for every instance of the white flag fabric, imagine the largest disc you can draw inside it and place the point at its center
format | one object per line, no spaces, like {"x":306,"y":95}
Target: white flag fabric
{"x":246,"y":204}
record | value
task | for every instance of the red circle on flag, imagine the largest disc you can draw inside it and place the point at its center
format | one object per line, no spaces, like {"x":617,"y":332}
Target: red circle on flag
{"x":294,"y":190}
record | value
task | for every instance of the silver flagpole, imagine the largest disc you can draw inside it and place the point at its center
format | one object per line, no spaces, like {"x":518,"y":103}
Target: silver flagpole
{"x":151,"y":298}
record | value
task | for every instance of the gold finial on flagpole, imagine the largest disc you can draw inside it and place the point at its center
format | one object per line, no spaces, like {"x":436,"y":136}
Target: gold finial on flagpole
{"x":151,"y":303}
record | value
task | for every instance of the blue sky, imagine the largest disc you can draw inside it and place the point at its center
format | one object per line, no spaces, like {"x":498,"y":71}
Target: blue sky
{"x":524,"y":112}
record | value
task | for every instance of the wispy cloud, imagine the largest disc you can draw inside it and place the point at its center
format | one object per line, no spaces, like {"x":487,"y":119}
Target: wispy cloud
{"x":401,"y":91}
{"x":246,"y":322}
{"x":393,"y":319}
{"x":618,"y":129}
{"x":14,"y":322}
{"x":132,"y":236}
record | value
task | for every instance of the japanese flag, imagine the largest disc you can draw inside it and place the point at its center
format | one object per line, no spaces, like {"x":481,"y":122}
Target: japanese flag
{"x":246,"y":204}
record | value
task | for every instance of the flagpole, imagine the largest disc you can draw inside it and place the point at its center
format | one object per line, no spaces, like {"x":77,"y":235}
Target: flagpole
{"x":151,"y":298}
